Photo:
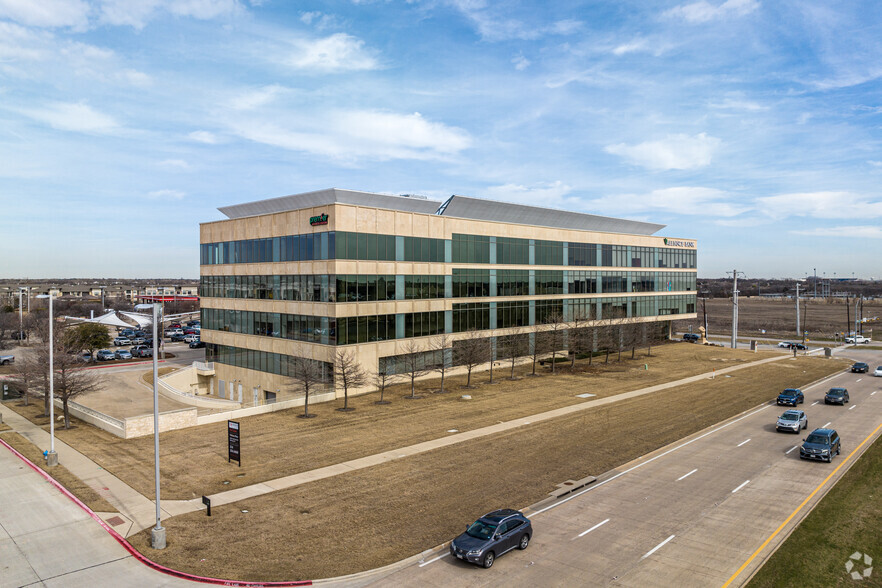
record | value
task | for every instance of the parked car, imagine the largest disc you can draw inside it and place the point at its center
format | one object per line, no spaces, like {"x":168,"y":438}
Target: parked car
{"x":84,"y":357}
{"x":791,"y":397}
{"x":105,"y":355}
{"x":878,"y":372}
{"x":191,"y":338}
{"x":691,"y":337}
{"x":140,"y":334}
{"x":190,"y":331}
{"x":491,"y":536}
{"x":142,"y":351}
{"x":197,"y":344}
{"x":119,"y":341}
{"x":7,"y":359}
{"x":785,"y":344}
{"x":860,"y":368}
{"x":178,"y":337}
{"x":122,"y":354}
{"x":836,"y":396}
{"x":856,"y":339}
{"x":792,"y":420}
{"x":127,"y":333}
{"x":138,"y":340}
{"x":19,"y":335}
{"x":175,"y":326}
{"x":191,"y":323}
{"x":821,"y":444}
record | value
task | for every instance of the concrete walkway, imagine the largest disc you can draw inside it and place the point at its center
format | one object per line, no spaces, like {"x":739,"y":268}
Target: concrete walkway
{"x":139,"y":511}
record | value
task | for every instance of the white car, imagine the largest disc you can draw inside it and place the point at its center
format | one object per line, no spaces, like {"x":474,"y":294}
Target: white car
{"x":785,"y":344}
{"x":878,"y":372}
{"x":191,"y":338}
{"x":857,"y":339}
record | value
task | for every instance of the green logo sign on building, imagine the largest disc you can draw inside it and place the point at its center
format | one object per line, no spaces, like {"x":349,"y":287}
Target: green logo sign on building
{"x":321,"y":219}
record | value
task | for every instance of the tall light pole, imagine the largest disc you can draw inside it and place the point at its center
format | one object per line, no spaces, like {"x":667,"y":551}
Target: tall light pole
{"x":735,"y":308}
{"x":51,"y":456}
{"x":816,"y":282}
{"x":157,"y":534}
{"x":798,"y":331}
{"x":20,"y":317}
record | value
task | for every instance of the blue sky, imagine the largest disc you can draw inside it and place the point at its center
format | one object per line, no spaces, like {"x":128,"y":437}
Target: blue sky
{"x":753,"y":126}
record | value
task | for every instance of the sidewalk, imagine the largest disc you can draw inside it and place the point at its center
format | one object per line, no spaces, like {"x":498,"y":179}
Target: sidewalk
{"x":140,"y":511}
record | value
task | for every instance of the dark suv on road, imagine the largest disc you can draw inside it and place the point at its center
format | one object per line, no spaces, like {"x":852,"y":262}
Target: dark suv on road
{"x":691,"y":337}
{"x":821,"y":444}
{"x":492,"y":535}
{"x":836,"y":396}
{"x":860,"y":368}
{"x":791,"y":397}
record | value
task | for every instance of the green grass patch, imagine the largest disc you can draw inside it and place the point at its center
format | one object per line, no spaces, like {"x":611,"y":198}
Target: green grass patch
{"x":847,"y":520}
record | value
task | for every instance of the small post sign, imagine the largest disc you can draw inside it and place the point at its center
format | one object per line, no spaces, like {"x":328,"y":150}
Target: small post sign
{"x":207,"y":502}
{"x":233,"y":442}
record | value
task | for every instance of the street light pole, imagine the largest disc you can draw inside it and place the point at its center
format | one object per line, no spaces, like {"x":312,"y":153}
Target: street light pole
{"x":51,"y":456}
{"x":20,"y":318}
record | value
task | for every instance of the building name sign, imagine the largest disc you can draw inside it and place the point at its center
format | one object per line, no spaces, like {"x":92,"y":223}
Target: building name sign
{"x":321,"y":219}
{"x":678,"y":243}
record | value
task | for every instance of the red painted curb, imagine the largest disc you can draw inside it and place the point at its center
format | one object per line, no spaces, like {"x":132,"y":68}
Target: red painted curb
{"x":137,"y":554}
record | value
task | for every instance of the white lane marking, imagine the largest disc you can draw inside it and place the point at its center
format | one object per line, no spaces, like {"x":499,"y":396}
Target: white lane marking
{"x":742,"y":443}
{"x":687,"y":475}
{"x":660,"y":455}
{"x":791,"y":449}
{"x":657,"y":547}
{"x":859,"y":379}
{"x":600,"y":524}
{"x":825,"y":426}
{"x":815,"y":402}
{"x":434,"y":559}
{"x":873,"y":392}
{"x":741,"y":486}
{"x":852,"y":407}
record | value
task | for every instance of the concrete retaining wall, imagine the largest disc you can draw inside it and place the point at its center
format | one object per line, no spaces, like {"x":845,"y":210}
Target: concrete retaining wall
{"x":263,"y":408}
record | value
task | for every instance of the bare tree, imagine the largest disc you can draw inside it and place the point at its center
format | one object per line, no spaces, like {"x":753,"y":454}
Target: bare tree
{"x":539,"y":345}
{"x":441,"y":344}
{"x":349,"y":374}
{"x":382,"y":379}
{"x":414,"y":364}
{"x":25,"y":373}
{"x":307,"y":377}
{"x":512,"y":346}
{"x":576,"y":335}
{"x":555,"y":335}
{"x":70,"y":379}
{"x":470,"y":352}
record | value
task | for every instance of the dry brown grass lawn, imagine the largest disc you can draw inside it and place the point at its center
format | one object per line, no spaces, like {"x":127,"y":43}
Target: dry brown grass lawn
{"x":194,"y":460}
{"x":77,"y":487}
{"x":416,"y":503}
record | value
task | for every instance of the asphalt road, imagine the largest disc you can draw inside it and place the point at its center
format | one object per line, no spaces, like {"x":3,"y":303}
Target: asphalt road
{"x":690,"y":514}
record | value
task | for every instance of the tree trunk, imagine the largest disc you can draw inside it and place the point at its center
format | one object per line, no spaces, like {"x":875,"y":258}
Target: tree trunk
{"x":553,"y":360}
{"x":66,"y":414}
{"x":413,"y":385}
{"x":306,"y":402}
{"x":469,"y":378}
{"x":607,"y":355}
{"x":633,"y":351}
{"x":491,"y":369}
{"x":442,"y":378}
{"x":345,"y":397}
{"x":534,"y":365}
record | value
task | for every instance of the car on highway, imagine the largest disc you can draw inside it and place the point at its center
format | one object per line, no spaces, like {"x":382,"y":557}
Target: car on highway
{"x":197,"y":344}
{"x":857,"y":339}
{"x":860,"y":368}
{"x":792,"y":420}
{"x":105,"y":355}
{"x":836,"y":396}
{"x":492,"y":535}
{"x":785,"y":344}
{"x":119,"y":341}
{"x":122,"y":354}
{"x":791,"y":397}
{"x":878,"y":372}
{"x":691,"y":337}
{"x":798,"y":346}
{"x":821,"y":444}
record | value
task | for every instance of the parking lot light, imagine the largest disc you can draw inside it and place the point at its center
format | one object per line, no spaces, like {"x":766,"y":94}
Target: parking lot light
{"x":51,"y":456}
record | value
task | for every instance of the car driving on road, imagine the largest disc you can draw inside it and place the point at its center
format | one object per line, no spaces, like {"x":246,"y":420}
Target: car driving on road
{"x":821,"y":444}
{"x":792,"y":420}
{"x":857,"y":339}
{"x":492,"y":535}
{"x":785,"y":344}
{"x":860,"y":368}
{"x":836,"y":396}
{"x":791,"y":397}
{"x":878,"y":372}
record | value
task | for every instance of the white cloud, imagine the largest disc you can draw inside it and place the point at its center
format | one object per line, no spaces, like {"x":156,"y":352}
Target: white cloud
{"x":686,"y":200}
{"x":319,"y":20}
{"x":675,"y":152}
{"x":846,"y":232}
{"x":137,"y":13}
{"x":175,"y":163}
{"x":78,"y":117}
{"x":819,"y":205}
{"x":356,"y":134}
{"x":257,"y":98}
{"x":339,"y":52}
{"x":546,"y":194}
{"x":632,"y":47}
{"x":166,"y":195}
{"x":493,"y":23}
{"x":204,"y":137}
{"x":520,"y":62}
{"x":703,"y":11}
{"x":736,"y":104}
{"x":47,"y":13}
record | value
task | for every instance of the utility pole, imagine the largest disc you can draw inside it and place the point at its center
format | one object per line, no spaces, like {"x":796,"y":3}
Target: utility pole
{"x":798,"y":331}
{"x":816,"y":282}
{"x":735,"y":308}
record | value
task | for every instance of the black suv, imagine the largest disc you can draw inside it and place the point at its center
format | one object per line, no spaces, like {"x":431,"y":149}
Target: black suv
{"x":836,"y":396}
{"x":860,"y":368}
{"x":821,"y":444}
{"x":691,"y":337}
{"x":492,"y":535}
{"x":791,"y":397}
